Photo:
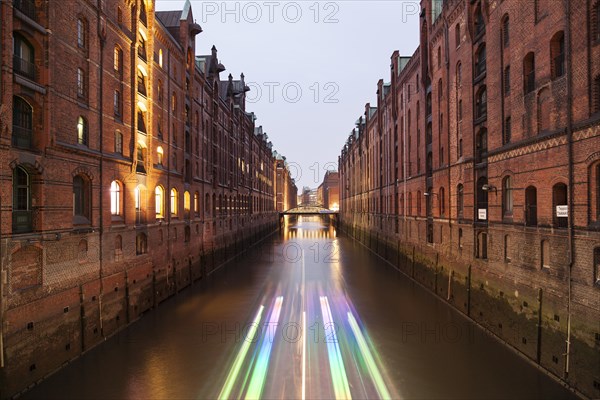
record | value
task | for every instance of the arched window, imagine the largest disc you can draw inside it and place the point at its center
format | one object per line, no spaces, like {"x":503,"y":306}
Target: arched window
{"x":559,"y":202}
{"x":115,"y":198}
{"x":506,"y":83}
{"x":141,"y":243}
{"x":480,"y":60}
{"x":481,"y":102}
{"x":507,"y":197}
{"x":142,"y":48}
{"x":557,"y":55}
{"x":23,"y":57}
{"x":196,"y":203}
{"x":482,"y":239}
{"x":21,"y":208}
{"x":22,"y":135}
{"x":529,"y":73}
{"x":82,"y":33}
{"x":82,"y":131}
{"x":460,"y":200}
{"x":160,"y":58}
{"x":531,"y":206}
{"x":174,"y":201}
{"x":81,"y":200}
{"x":544,"y":110}
{"x":159,"y":201}
{"x":505,"y":31}
{"x":479,"y":22}
{"x":186,"y":204}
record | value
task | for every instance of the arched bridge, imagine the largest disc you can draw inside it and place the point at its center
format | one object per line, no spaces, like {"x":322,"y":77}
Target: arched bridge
{"x":309,"y":210}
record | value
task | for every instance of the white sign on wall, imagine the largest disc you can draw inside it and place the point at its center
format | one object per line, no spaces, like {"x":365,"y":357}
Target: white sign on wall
{"x":482,"y":214}
{"x":562,"y":211}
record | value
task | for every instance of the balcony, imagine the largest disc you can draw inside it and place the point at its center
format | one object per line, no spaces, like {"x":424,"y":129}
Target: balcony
{"x":24,"y":68}
{"x":21,"y":137}
{"x":27,"y":7}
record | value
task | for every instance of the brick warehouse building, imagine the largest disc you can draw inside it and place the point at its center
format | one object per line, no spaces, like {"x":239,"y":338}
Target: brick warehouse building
{"x":477,"y":173}
{"x":129,"y":169}
{"x":286,"y":192}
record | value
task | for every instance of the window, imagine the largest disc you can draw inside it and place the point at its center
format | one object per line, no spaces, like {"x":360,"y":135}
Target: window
{"x":482,"y":238}
{"x":141,"y":119}
{"x":507,"y":131}
{"x":22,"y":135}
{"x":174,"y":201}
{"x":118,"y":142}
{"x":505,"y":31}
{"x":507,"y":197}
{"x":186,"y":204}
{"x":529,"y":73}
{"x":159,"y":202}
{"x":23,"y":57}
{"x":479,"y":22}
{"x":439,"y":57}
{"x":118,"y":61}
{"x":81,"y":84}
{"x":457,"y":35}
{"x":141,"y":243}
{"x":480,"y":61}
{"x":442,"y":196}
{"x":82,"y":131}
{"x":143,"y":16}
{"x":544,"y":110}
{"x":419,"y":203}
{"x":597,"y":265}
{"x":460,"y":110}
{"x":173,"y":102}
{"x":81,"y":199}
{"x":197,"y":203}
{"x":159,"y":90}
{"x":545,"y":256}
{"x":115,"y":198}
{"x":481,"y":102}
{"x":557,"y":55}
{"x":531,"y":206}
{"x":507,"y":80}
{"x":160,"y":58}
{"x":141,"y":83}
{"x":506,"y":248}
{"x":118,"y":103}
{"x":460,"y":200}
{"x":410,"y":204}
{"x":21,"y":209}
{"x":142,"y":49}
{"x":141,"y":159}
{"x":559,"y":199}
{"x":482,"y":197}
{"x":459,"y":74}
{"x":159,"y":155}
{"x":81,"y":33}
{"x":596,"y":94}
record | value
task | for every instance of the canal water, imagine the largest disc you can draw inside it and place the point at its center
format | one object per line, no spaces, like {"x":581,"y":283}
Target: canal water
{"x":306,"y":314}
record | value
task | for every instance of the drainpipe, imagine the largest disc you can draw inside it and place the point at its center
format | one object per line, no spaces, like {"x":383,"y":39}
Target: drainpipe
{"x":571,"y":173}
{"x":102,"y":40}
{"x":447,"y":60}
{"x":404,"y":146}
{"x":2,"y":159}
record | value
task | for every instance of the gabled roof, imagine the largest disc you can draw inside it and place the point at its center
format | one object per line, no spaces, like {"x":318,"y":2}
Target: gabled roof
{"x":169,"y":19}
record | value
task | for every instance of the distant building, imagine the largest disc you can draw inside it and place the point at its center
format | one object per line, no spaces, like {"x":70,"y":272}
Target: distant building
{"x":328,"y":193}
{"x":286,"y":192}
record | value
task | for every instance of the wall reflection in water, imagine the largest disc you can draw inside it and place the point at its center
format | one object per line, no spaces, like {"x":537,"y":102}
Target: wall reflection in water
{"x":309,"y":227}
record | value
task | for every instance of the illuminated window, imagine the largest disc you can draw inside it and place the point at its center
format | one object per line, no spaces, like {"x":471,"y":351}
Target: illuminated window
{"x":82,"y":131}
{"x":115,"y":198}
{"x":159,"y":198}
{"x":160,"y":155}
{"x":174,"y":201}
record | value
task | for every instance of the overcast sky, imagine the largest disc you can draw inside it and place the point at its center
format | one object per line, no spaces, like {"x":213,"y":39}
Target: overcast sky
{"x":311,"y":66}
